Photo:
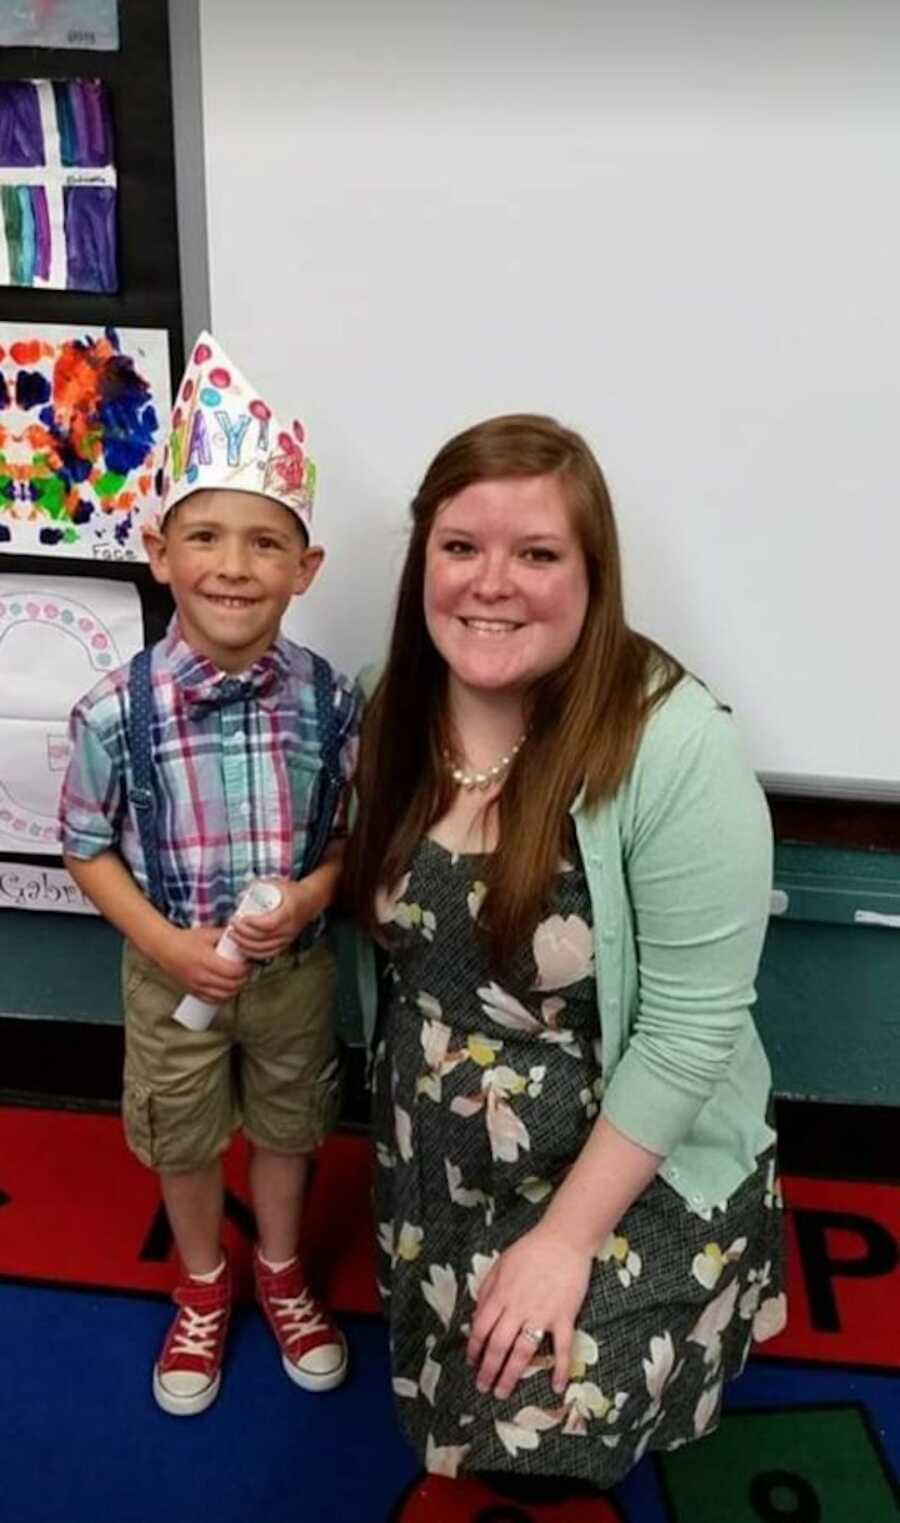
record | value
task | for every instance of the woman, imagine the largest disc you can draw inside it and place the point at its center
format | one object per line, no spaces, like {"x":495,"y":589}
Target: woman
{"x":568,"y":860}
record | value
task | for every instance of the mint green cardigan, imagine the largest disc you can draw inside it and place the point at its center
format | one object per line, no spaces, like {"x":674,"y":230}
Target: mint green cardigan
{"x":679,"y":869}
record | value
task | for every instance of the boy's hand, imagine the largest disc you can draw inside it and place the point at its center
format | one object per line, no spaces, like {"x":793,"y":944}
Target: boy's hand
{"x":264,"y":936}
{"x":190,"y":959}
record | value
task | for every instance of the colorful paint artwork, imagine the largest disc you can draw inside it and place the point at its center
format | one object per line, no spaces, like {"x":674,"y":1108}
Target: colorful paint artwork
{"x":58,"y":636}
{"x":57,"y":185}
{"x":82,"y":418}
{"x":60,"y":24}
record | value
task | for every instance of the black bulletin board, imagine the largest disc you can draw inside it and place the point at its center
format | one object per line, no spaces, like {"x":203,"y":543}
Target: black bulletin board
{"x":139,"y":79}
{"x":140,"y":83}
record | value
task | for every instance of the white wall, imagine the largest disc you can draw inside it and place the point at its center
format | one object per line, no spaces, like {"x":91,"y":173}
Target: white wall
{"x":673,"y":226}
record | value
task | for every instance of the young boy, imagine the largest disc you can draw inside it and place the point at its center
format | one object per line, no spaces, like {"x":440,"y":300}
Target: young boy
{"x":237,"y":770}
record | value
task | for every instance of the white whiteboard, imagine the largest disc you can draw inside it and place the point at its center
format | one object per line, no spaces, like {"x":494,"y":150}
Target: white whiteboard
{"x":675,"y":228}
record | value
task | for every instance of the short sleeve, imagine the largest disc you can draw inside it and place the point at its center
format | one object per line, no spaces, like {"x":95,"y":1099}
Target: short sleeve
{"x":92,"y":797}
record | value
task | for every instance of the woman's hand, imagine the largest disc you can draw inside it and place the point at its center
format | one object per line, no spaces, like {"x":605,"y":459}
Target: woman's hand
{"x":539,"y":1282}
{"x":542,"y":1279}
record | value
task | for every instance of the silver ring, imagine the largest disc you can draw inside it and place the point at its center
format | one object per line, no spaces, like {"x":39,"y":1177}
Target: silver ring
{"x":535,"y":1335}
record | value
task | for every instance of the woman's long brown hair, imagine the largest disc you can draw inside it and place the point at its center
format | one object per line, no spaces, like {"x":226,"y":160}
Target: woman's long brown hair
{"x":584,"y":719}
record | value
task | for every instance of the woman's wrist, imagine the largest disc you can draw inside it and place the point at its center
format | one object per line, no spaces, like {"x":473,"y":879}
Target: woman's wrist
{"x":609,"y":1174}
{"x":574,"y":1229}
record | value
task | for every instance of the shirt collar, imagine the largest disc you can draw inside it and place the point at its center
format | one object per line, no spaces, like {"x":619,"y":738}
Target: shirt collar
{"x":203,"y":685}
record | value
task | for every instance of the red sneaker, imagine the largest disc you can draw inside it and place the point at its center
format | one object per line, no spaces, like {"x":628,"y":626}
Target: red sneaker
{"x":188,"y":1373}
{"x":313,"y":1350}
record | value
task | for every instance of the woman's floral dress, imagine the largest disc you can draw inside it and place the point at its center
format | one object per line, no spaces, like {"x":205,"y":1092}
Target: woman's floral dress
{"x":484,"y":1094}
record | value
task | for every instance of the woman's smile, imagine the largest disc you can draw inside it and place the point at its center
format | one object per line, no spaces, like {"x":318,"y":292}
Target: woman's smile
{"x":491,"y":627}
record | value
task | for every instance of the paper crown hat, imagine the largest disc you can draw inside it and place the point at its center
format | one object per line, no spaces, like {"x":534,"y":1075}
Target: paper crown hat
{"x":222,"y":434}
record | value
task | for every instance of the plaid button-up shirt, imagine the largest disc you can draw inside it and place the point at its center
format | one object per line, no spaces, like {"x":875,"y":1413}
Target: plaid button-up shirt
{"x":236,"y":764}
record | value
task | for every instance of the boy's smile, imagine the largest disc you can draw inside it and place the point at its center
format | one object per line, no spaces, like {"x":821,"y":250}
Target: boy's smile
{"x":233,"y":561}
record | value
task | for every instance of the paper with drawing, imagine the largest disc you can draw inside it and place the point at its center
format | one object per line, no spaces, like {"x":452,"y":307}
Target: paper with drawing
{"x":82,"y":415}
{"x":57,"y":185}
{"x":60,"y":24}
{"x":58,"y":636}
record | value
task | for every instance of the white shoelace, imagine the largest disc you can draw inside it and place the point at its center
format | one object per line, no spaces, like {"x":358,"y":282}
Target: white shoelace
{"x":298,"y":1315}
{"x":199,"y":1335}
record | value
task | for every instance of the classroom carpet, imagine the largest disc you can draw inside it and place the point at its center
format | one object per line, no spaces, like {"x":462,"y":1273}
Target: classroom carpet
{"x":810,"y":1434}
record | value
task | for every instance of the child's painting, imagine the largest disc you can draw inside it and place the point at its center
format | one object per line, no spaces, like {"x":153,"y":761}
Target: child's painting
{"x":60,"y":24}
{"x":57,"y":185}
{"x":83,"y":414}
{"x":58,"y":636}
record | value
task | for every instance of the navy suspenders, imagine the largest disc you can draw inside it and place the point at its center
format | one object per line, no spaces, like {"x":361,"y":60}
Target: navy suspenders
{"x":330,"y":781}
{"x":141,"y":793}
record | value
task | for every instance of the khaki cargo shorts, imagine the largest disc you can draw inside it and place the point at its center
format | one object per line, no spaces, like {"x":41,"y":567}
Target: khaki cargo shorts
{"x":269,"y":1063}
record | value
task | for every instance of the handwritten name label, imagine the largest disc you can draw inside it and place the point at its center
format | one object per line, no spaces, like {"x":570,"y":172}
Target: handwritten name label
{"x":113,"y":553}
{"x":41,"y":888}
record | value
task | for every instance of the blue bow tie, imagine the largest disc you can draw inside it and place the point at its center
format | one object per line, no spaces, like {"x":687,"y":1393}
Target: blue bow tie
{"x":222,"y":691}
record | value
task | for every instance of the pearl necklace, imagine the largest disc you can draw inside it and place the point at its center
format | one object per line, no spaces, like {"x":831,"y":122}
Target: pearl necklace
{"x":490,"y":775}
